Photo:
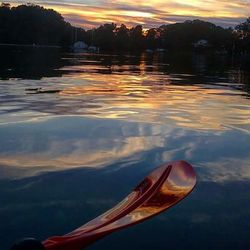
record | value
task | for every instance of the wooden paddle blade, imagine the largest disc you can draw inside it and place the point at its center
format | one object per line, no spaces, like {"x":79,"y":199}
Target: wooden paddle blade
{"x":163,"y":188}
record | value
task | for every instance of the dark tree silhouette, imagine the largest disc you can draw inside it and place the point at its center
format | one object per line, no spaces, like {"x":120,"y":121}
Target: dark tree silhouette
{"x":122,"y":38}
{"x":243,"y":34}
{"x":33,"y":24}
{"x":104,"y":36}
{"x":137,"y":39}
{"x":184,"y":35}
{"x":152,"y":39}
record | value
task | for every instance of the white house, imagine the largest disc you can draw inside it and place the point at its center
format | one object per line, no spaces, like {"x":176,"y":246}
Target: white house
{"x":79,"y":45}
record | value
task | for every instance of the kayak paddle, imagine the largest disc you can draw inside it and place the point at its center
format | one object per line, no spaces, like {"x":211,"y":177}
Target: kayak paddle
{"x":160,"y":190}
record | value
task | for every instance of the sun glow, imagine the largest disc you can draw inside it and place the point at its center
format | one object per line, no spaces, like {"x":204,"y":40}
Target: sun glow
{"x":151,"y":13}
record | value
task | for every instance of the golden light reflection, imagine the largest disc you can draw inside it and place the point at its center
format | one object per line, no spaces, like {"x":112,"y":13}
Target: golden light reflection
{"x":171,"y":105}
{"x":201,"y":107}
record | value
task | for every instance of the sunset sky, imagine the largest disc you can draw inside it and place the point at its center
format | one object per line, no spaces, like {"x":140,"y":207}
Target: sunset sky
{"x":150,"y":13}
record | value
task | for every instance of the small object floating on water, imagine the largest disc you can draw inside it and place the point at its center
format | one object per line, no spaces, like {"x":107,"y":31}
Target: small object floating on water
{"x":33,"y":89}
{"x":42,"y":91}
{"x":164,"y":187}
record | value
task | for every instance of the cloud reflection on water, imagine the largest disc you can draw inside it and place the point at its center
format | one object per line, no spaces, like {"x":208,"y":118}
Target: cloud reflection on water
{"x":170,"y":107}
{"x":100,"y":143}
{"x":86,"y":145}
{"x":61,"y":162}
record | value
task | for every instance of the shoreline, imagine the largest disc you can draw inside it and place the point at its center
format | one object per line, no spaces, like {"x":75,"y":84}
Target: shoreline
{"x":30,"y":45}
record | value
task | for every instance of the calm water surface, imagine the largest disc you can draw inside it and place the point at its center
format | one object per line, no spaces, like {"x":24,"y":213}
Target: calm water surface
{"x":79,"y":131}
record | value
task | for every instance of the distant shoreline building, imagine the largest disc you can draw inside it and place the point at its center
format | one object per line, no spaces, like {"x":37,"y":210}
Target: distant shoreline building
{"x":79,"y":45}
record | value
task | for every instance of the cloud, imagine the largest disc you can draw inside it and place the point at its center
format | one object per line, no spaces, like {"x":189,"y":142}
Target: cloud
{"x":150,"y":13}
{"x":85,"y":148}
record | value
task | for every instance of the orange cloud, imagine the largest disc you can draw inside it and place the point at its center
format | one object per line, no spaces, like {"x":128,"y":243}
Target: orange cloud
{"x":149,"y":13}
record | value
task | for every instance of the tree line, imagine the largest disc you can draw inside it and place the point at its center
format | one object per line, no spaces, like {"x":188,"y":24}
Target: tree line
{"x":33,"y":24}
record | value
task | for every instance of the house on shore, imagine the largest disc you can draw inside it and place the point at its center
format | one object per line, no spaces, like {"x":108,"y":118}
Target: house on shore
{"x":79,"y":45}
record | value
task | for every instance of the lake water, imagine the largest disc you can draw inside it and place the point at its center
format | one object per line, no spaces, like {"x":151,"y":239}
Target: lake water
{"x":79,"y":131}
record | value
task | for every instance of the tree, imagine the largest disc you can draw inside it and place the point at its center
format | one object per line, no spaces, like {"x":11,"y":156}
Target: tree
{"x":184,"y":35}
{"x":137,"y":39}
{"x":122,"y":38}
{"x":33,"y":24}
{"x":151,"y":39}
{"x":243,"y":34}
{"x":244,"y":28}
{"x":104,"y":36}
{"x":5,"y":23}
